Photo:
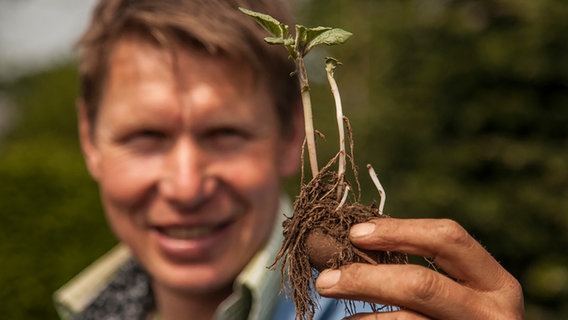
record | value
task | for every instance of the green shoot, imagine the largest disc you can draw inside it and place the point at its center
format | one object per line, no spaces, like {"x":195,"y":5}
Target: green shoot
{"x":304,"y":40}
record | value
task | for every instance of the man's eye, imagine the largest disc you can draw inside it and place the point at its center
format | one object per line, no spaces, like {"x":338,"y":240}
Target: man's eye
{"x":226,"y":139}
{"x":147,"y":140}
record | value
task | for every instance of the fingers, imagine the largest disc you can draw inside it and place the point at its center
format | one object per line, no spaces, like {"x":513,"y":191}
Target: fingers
{"x":483,"y":290}
{"x":410,"y":286}
{"x":445,"y":241}
{"x":395,"y":315}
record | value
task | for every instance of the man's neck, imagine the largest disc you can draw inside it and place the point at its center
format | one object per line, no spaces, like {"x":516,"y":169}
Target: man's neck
{"x":172,"y":304}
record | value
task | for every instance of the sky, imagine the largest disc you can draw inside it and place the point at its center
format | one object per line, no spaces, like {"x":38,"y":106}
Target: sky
{"x":36,"y":33}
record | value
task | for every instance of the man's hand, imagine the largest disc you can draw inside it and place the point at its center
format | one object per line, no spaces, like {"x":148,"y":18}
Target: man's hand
{"x":476,"y":285}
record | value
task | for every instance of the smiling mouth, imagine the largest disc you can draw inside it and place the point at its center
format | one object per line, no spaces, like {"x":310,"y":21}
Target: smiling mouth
{"x":191,"y":233}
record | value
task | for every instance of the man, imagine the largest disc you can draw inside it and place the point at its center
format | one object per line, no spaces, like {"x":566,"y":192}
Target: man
{"x":188,"y":122}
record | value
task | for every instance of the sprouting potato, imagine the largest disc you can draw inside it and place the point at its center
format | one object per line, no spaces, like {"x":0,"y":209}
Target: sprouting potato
{"x":316,"y":236}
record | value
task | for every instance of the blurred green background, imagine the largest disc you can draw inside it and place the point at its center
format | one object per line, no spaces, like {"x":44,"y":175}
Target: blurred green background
{"x":461,"y":107}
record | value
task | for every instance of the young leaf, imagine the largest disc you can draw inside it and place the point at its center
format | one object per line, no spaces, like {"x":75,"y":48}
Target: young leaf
{"x":275,"y":27}
{"x":306,"y":35}
{"x":275,"y":40}
{"x":331,"y":63}
{"x":313,"y":33}
{"x":329,"y":37}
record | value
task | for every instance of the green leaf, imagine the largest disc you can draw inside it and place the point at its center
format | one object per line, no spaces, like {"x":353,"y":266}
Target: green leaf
{"x":274,"y":40}
{"x":329,"y":37}
{"x":301,"y":32}
{"x":305,"y":35}
{"x":313,"y":33}
{"x":275,"y":27}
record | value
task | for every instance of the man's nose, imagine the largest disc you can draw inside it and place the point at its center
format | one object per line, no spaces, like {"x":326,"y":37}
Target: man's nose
{"x":184,"y":181}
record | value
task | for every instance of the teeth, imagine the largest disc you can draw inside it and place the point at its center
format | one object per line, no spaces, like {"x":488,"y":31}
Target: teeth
{"x":187,"y":233}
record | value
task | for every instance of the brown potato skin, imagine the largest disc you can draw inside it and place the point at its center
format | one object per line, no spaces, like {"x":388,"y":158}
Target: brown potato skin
{"x":321,"y":248}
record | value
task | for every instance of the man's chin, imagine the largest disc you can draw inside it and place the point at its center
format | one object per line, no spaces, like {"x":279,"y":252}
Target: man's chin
{"x":196,"y":281}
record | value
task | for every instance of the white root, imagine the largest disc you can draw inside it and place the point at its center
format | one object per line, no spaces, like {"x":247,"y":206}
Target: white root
{"x":344,"y":198}
{"x":379,"y":187}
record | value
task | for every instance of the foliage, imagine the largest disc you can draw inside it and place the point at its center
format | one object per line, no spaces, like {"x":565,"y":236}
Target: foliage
{"x":304,"y":39}
{"x":51,"y":224}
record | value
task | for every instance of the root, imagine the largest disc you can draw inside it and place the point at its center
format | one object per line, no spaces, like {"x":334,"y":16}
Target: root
{"x":318,"y":209}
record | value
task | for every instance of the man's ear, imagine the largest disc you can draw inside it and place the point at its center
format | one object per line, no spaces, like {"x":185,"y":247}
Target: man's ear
{"x":290,"y":161}
{"x":87,"y":140}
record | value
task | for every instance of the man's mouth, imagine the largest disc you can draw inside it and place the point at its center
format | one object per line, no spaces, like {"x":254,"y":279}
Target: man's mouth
{"x":190,"y":233}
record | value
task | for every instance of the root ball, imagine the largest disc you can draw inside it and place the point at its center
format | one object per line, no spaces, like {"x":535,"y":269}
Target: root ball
{"x":316,"y":237}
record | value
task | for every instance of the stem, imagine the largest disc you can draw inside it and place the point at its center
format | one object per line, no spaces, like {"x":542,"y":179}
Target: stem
{"x":330,"y":65}
{"x":380,"y":188}
{"x":308,"y":118}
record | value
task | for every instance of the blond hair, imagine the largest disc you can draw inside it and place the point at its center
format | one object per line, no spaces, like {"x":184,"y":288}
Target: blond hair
{"x":216,"y":26}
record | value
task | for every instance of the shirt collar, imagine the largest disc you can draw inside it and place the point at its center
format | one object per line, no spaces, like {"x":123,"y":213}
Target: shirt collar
{"x":257,"y":287}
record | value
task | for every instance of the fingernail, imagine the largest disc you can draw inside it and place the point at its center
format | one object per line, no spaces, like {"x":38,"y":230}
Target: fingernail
{"x":328,"y":278}
{"x":362,"y":229}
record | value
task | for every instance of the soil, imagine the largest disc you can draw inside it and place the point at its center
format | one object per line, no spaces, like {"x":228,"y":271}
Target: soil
{"x":316,"y":237}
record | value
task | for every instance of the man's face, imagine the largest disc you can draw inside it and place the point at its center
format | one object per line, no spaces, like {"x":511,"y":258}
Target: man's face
{"x":188,"y":163}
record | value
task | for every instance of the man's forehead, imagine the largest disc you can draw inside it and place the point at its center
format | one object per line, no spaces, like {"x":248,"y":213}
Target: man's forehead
{"x":142,"y":75}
